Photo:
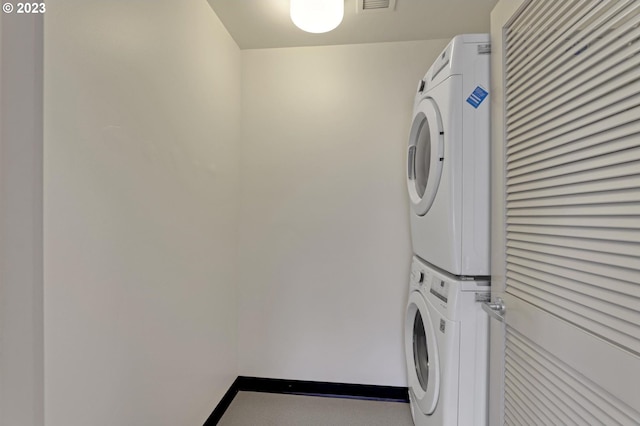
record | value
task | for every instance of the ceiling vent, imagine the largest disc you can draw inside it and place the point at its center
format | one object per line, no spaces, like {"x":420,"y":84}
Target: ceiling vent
{"x":368,"y":6}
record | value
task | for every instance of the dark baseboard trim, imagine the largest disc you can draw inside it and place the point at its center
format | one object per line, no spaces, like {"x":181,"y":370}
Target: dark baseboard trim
{"x":303,"y":387}
{"x":224,"y":403}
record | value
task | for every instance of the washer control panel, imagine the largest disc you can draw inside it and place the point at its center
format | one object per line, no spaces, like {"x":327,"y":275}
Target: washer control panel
{"x":440,"y":289}
{"x":419,"y":276}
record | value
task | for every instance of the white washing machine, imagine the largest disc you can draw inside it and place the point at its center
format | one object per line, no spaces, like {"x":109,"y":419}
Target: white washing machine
{"x":446,"y":347}
{"x":448,"y":160}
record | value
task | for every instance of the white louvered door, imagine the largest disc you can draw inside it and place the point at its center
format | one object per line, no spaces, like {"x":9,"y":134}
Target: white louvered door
{"x":566,"y":212}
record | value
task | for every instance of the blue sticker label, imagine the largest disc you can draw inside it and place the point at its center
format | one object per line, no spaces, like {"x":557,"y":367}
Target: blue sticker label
{"x":476,"y":98}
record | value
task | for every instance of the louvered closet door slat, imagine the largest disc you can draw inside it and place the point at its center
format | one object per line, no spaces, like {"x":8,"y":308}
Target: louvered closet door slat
{"x":511,"y":417}
{"x":617,"y":274}
{"x":625,"y":223}
{"x":558,"y":85}
{"x":529,"y":402}
{"x":618,"y":139}
{"x":572,"y":206}
{"x":626,"y":294}
{"x":596,"y":123}
{"x":555,"y":55}
{"x":577,"y":315}
{"x":618,"y":319}
{"x":518,"y":366}
{"x":579,"y":162}
{"x":523,"y":20}
{"x":622,"y":182}
{"x":626,"y":262}
{"x":578,"y":117}
{"x":601,"y":175}
{"x":605,"y":241}
{"x":587,"y":91}
{"x":569,"y":287}
{"x":522,"y":409}
{"x":541,"y":394}
{"x":572,"y":67}
{"x":610,"y":197}
{"x":582,"y":49}
{"x":570,"y":76}
{"x":580,"y":299}
{"x":592,"y":98}
{"x":547,"y":13}
{"x":563,"y":14}
{"x":555,"y":36}
{"x":558,"y":41}
{"x":588,"y":210}
{"x":586,"y":402}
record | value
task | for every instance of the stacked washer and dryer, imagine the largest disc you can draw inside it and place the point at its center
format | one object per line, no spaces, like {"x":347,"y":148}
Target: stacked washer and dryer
{"x":448,"y":176}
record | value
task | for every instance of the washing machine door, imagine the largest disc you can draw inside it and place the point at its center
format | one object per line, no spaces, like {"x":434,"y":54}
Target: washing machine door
{"x":425,"y":156}
{"x":422,"y":354}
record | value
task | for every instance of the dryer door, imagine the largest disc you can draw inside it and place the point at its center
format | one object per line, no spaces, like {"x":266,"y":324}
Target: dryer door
{"x":425,"y":156}
{"x":422,"y":354}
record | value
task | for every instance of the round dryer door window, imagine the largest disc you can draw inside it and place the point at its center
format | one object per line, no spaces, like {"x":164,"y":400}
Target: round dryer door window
{"x":421,"y":354}
{"x":425,"y":156}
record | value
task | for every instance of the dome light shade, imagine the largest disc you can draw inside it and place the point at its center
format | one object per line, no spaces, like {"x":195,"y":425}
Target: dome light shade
{"x":317,"y":16}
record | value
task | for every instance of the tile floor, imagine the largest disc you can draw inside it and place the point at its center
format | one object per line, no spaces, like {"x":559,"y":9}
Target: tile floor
{"x":268,"y":409}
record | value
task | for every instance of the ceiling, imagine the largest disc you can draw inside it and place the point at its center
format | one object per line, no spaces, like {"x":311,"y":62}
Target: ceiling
{"x":256,"y":24}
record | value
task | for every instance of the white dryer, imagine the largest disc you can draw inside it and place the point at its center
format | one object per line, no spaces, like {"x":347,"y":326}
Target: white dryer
{"x":448,"y":160}
{"x":446,"y":347}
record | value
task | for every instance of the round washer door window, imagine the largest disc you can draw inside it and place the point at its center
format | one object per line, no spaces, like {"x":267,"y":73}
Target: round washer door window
{"x":421,"y":353}
{"x":425,"y":156}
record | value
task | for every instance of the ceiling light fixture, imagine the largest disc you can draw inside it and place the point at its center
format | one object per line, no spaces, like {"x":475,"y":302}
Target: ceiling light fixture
{"x":317,"y":16}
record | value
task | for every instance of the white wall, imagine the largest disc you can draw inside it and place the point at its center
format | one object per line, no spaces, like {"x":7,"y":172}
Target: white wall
{"x":325,"y":241}
{"x":142,"y":119}
{"x":21,"y":321}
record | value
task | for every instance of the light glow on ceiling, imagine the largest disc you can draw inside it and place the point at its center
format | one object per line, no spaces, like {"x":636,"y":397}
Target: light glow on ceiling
{"x":317,"y":16}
